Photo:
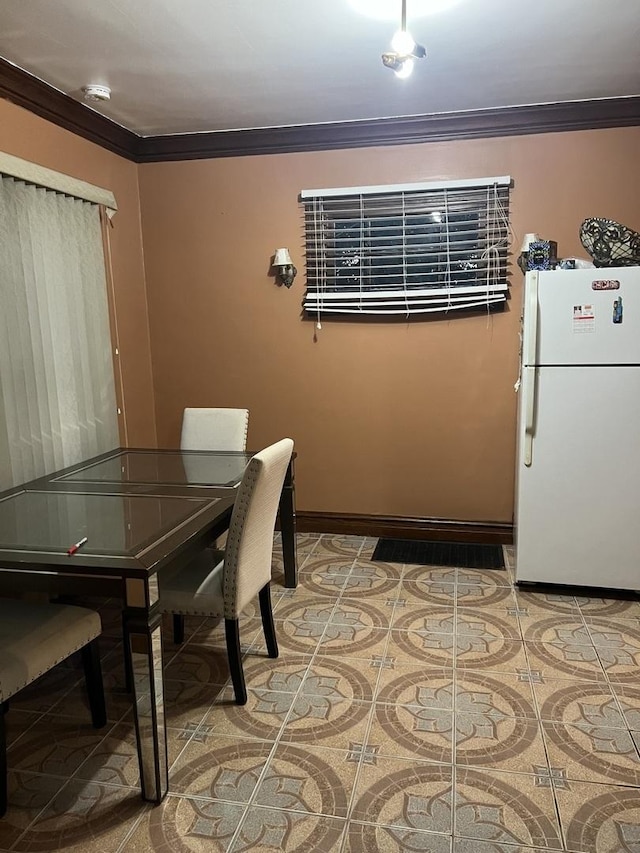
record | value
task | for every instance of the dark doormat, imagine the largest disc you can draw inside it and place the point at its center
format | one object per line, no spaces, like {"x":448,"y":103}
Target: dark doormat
{"x":465,"y":555}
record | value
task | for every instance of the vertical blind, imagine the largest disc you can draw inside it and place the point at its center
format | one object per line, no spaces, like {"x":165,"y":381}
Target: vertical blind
{"x":57,"y":394}
{"x":407,"y":249}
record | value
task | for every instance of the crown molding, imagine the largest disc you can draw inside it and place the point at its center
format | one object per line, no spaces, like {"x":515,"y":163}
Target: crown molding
{"x":442,"y":127}
{"x":28,"y":91}
{"x":38,"y":97}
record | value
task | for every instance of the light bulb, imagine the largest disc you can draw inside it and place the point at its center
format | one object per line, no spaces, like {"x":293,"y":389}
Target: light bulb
{"x":405,"y":69}
{"x":403,"y":43}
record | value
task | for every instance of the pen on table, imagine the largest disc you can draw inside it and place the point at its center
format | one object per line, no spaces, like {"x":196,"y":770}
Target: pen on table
{"x":75,"y":547}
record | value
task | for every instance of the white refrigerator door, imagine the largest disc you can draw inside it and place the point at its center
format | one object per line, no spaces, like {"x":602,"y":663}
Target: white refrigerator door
{"x":577,"y":503}
{"x":575,"y":322}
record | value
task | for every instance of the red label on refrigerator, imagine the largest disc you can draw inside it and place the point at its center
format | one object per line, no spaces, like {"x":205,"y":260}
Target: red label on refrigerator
{"x":605,"y":284}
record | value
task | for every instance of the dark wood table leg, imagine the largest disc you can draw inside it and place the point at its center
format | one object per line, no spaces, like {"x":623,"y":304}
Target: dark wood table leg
{"x":288,"y":529}
{"x":143,"y":641}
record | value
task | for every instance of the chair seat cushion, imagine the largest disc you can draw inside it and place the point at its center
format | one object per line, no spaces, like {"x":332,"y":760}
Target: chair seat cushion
{"x":196,"y":589}
{"x":36,"y":637}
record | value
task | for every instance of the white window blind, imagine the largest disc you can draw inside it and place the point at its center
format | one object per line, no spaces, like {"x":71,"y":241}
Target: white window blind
{"x":407,"y":249}
{"x":57,"y":395}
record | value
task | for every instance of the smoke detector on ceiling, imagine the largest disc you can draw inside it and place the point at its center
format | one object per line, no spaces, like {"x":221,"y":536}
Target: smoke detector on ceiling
{"x":96,"y":93}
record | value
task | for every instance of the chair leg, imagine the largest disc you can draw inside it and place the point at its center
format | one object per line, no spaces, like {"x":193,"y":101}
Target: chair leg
{"x":178,"y":628}
{"x":232,"y":633}
{"x":95,"y":686}
{"x":268,"y":626}
{"x":3,"y":760}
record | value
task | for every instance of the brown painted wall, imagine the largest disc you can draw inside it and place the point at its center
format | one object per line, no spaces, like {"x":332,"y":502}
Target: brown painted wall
{"x":415,"y":419}
{"x":32,"y":138}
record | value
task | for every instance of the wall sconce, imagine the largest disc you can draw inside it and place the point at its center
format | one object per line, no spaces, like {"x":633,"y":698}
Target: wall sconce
{"x":286,"y":270}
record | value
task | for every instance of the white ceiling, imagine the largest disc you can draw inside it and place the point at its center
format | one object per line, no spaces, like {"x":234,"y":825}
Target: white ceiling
{"x":178,"y":66}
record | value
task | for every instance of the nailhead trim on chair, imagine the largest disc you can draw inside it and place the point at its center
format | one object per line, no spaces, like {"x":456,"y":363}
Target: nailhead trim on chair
{"x":26,"y":683}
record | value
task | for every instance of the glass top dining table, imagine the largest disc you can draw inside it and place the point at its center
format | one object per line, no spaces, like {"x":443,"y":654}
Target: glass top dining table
{"x":131,"y":513}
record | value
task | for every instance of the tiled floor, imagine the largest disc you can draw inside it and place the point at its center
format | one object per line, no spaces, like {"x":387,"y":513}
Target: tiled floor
{"x":411,"y":709}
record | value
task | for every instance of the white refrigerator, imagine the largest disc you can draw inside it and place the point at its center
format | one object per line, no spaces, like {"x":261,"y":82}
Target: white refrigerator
{"x":577,"y":513}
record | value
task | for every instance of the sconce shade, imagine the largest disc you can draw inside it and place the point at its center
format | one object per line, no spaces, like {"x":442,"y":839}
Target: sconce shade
{"x":282,"y":258}
{"x":528,"y":238}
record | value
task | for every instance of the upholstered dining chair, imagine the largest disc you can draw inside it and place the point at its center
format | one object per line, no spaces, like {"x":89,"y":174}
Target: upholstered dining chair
{"x":221,"y":584}
{"x":214,"y":429}
{"x":33,"y":639}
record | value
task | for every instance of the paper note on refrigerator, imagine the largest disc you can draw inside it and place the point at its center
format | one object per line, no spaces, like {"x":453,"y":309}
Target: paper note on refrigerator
{"x":584,"y":318}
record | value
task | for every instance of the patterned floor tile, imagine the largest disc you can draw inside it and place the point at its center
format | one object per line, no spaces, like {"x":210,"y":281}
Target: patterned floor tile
{"x":592,"y":753}
{"x":354,"y":641}
{"x":429,"y":576}
{"x":599,"y":818}
{"x":491,"y":654}
{"x":393,"y":682}
{"x":220,"y":768}
{"x":428,"y":592}
{"x":115,"y":760}
{"x":425,"y":618}
{"x":580,"y":663}
{"x":505,"y":743}
{"x":490,"y":577}
{"x":327,"y":721}
{"x":18,"y":722}
{"x":576,"y":702}
{"x":283,"y":674}
{"x":494,"y":693}
{"x":55,"y":746}
{"x":297,"y":636}
{"x":485,"y":594}
{"x":201,"y":664}
{"x":262,"y":717}
{"x":487,"y":622}
{"x":274,"y":830}
{"x":364,"y":838}
{"x":472,"y":845}
{"x":84,"y":817}
{"x":545,"y":603}
{"x":187,"y":702}
{"x":629,"y":701}
{"x":435,"y":650}
{"x":359,"y":615}
{"x":28,"y":794}
{"x":308,"y":779}
{"x":412,"y":731}
{"x":409,"y":684}
{"x":341,"y":678}
{"x":306,"y":608}
{"x":507,"y":808}
{"x":413,"y":796}
{"x":617,"y":608}
{"x":188,"y":825}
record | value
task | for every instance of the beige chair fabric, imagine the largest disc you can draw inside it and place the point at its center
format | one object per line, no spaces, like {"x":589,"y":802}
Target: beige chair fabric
{"x":210,"y":586}
{"x":36,"y":637}
{"x":214,"y":429}
{"x":218,"y":584}
{"x":33,"y":639}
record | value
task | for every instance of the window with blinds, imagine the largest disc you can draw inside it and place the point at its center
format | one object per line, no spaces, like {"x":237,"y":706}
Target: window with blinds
{"x":407,"y":249}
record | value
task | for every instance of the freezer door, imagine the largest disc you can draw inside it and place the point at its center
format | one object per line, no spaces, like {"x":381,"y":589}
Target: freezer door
{"x":577,"y":503}
{"x":577,"y":324}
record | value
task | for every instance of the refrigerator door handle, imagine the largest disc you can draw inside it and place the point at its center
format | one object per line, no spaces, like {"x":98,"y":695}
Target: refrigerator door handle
{"x":529,"y":384}
{"x":529,"y":355}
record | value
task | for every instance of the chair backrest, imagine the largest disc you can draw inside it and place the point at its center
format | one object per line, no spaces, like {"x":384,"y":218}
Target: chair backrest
{"x":247,"y":561}
{"x":214,"y":429}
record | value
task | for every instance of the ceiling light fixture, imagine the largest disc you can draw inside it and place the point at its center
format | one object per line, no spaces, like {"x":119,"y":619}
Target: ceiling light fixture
{"x":405,"y":50}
